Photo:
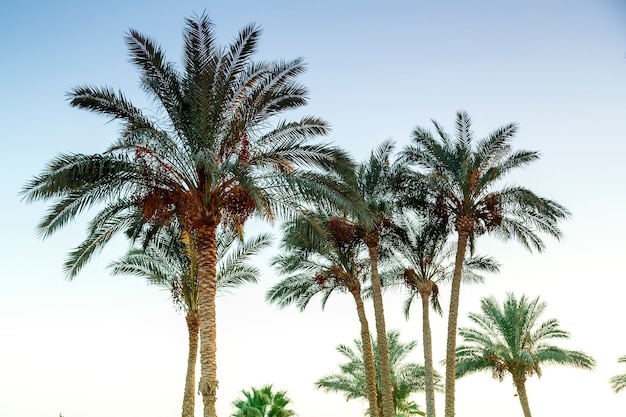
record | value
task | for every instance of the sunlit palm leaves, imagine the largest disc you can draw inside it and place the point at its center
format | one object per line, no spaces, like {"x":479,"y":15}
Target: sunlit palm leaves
{"x":407,"y":377}
{"x":462,"y":175}
{"x":510,"y":339}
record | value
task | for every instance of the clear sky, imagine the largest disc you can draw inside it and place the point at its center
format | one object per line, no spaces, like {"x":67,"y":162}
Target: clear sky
{"x":102,"y":346}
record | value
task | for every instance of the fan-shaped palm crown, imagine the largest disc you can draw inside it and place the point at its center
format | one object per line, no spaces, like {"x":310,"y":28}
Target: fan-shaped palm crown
{"x":263,"y":402}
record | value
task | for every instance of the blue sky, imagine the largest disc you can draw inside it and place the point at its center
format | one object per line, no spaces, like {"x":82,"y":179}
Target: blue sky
{"x":102,"y":345}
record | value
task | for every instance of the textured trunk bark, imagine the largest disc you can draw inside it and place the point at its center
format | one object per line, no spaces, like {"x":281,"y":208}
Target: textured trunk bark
{"x":381,"y":336}
{"x":428,"y":355}
{"x":368,"y":354}
{"x":207,"y":285}
{"x":193,"y":323}
{"x":453,"y":315}
{"x":520,"y":385}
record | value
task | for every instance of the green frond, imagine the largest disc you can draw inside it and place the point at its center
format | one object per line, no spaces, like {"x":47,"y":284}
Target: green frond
{"x":618,"y":382}
{"x":508,"y":338}
{"x":407,"y":377}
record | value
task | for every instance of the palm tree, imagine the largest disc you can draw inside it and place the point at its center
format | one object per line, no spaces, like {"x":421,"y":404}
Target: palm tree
{"x":321,"y":256}
{"x":618,"y":382}
{"x":214,"y":156}
{"x":509,"y":339}
{"x":407,"y":377}
{"x":462,"y":177}
{"x":262,"y":402}
{"x":170,"y":261}
{"x":375,"y":179}
{"x":425,"y":252}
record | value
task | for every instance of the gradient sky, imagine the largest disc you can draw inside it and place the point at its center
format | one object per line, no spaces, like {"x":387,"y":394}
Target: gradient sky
{"x":102,"y":346}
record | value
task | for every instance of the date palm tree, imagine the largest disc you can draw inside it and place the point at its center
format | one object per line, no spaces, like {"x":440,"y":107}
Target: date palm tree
{"x":618,"y":382}
{"x":510,"y":339}
{"x":407,"y":377}
{"x":375,"y":181}
{"x":170,"y":261}
{"x":213,"y":155}
{"x":321,"y":256}
{"x":462,"y":175}
{"x":263,"y":402}
{"x":426,"y":256}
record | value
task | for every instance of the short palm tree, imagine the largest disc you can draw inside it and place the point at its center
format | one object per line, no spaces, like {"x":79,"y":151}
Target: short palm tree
{"x":170,"y":261}
{"x":321,"y":256}
{"x":262,"y":402}
{"x":510,"y":339}
{"x":618,"y":382}
{"x":462,"y":176}
{"x":426,"y":257}
{"x":213,"y":156}
{"x":407,"y":377}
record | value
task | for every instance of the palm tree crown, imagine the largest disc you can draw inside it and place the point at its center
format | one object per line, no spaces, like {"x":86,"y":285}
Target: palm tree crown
{"x":407,"y":377}
{"x":263,"y":402}
{"x":510,"y":339}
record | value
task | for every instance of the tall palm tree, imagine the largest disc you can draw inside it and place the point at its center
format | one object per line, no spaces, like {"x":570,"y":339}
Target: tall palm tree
{"x":510,"y":339}
{"x":375,"y":180}
{"x":407,"y":377}
{"x":321,"y":256}
{"x":214,"y":156}
{"x":170,"y":261}
{"x":618,"y":382}
{"x":262,"y":402}
{"x":462,"y":175}
{"x":426,"y":256}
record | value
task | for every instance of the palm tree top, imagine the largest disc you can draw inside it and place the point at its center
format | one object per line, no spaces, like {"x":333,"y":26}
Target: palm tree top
{"x":509,"y":338}
{"x":216,"y":150}
{"x":463,"y":175}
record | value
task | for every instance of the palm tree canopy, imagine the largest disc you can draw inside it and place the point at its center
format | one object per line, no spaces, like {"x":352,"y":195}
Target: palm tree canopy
{"x":423,"y":259}
{"x":215,"y":151}
{"x":263,"y":402}
{"x":320,"y":254}
{"x":169,"y":260}
{"x":509,"y":338}
{"x":462,"y":175}
{"x":407,"y":377}
{"x":618,"y":382}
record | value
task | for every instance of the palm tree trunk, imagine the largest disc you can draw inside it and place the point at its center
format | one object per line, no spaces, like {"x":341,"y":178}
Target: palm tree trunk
{"x":192,"y":357}
{"x":207,"y":285}
{"x":368,"y":353}
{"x":381,"y":335}
{"x":520,"y":385}
{"x":428,"y":355}
{"x":453,"y":315}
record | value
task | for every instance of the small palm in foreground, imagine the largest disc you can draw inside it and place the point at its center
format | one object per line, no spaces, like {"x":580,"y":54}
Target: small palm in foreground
{"x":263,"y":402}
{"x":618,"y":382}
{"x":407,"y":377}
{"x":509,"y":339}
